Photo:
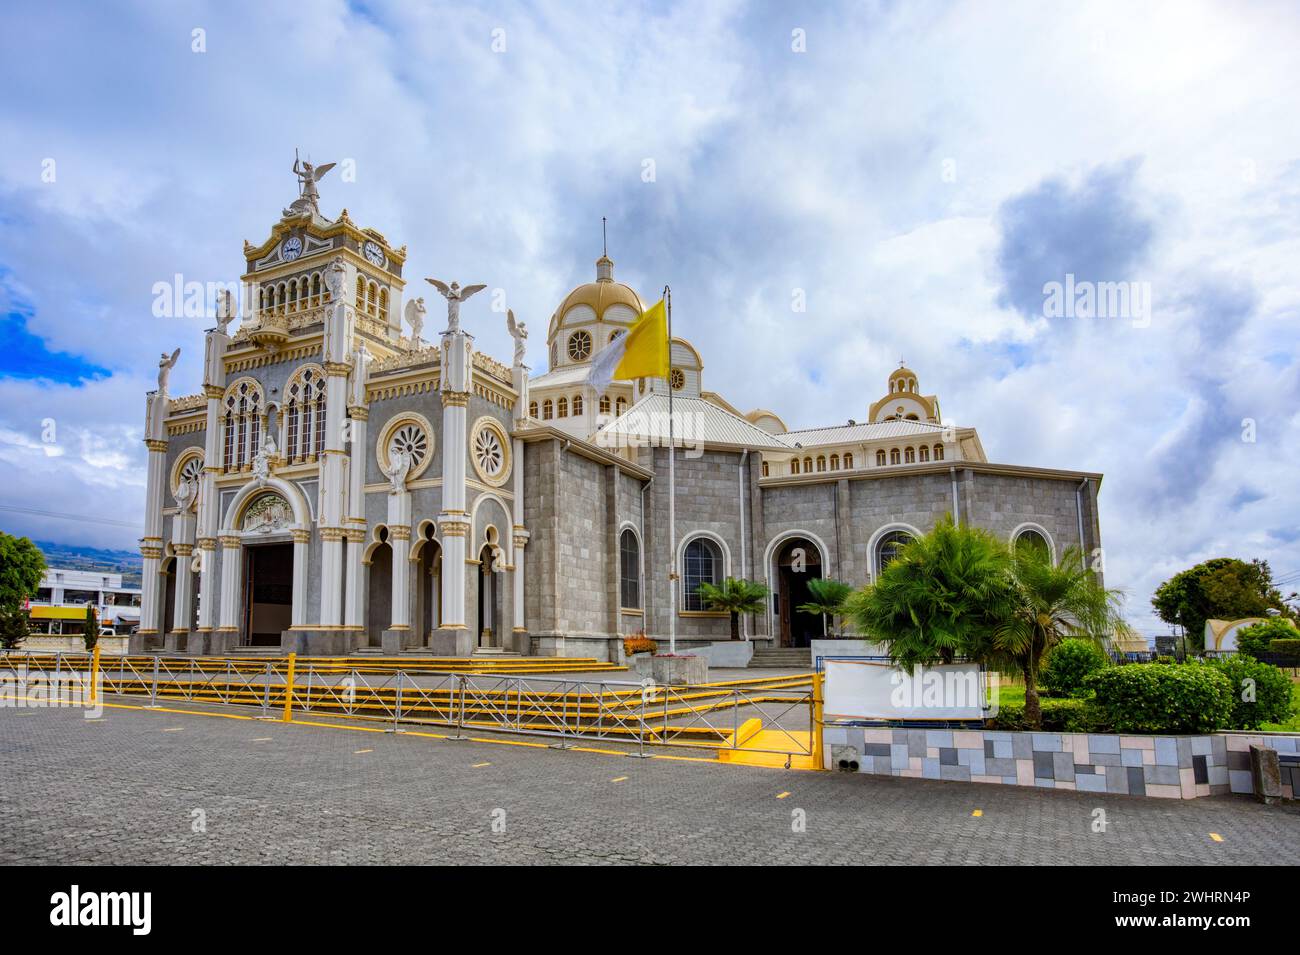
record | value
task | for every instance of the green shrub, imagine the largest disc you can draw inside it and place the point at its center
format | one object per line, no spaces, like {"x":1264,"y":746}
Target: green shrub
{"x":1069,"y":663}
{"x":1156,"y":698}
{"x":1287,"y":645}
{"x":1261,"y":693}
{"x":1258,"y":637}
{"x":1059,"y":716}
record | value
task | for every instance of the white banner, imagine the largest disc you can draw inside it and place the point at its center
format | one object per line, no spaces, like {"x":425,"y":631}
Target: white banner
{"x":877,"y":690}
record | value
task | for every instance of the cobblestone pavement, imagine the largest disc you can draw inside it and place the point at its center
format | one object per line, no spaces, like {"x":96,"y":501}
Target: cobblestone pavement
{"x":132,"y":787}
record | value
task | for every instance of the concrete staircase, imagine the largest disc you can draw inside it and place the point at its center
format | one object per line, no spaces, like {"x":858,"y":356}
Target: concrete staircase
{"x":789,"y":658}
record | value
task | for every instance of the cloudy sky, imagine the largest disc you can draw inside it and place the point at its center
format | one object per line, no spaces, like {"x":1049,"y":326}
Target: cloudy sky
{"x":919,"y":171}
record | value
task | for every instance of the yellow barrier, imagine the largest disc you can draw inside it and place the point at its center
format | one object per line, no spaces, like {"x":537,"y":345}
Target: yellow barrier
{"x":94,"y":674}
{"x":288,"y":689}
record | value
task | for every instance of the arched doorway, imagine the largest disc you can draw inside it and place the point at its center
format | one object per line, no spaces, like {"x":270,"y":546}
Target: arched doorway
{"x":491,"y":620}
{"x":268,"y":592}
{"x":428,"y":596}
{"x":166,"y":623}
{"x":797,"y":561}
{"x":379,"y":605}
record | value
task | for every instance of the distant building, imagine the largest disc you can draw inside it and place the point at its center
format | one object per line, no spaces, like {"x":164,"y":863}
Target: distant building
{"x":64,"y":595}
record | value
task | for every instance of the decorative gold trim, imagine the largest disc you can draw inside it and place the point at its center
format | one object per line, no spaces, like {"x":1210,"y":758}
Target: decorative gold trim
{"x":332,"y":533}
{"x":358,"y":413}
{"x":184,"y":550}
{"x":300,"y":536}
{"x":150,"y":552}
{"x":399,"y":532}
{"x":455,"y":399}
{"x":155,"y":444}
{"x":703,"y":613}
{"x":230,"y":540}
{"x":179,"y":465}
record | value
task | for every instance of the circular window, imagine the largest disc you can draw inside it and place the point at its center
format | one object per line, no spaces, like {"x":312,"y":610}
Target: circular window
{"x":411,"y":439}
{"x":490,"y":452}
{"x":409,"y":432}
{"x":580,"y":346}
{"x":677,"y":378}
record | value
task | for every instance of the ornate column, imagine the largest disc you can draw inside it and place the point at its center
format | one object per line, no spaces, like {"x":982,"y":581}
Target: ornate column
{"x":298,"y":611}
{"x":334,"y":486}
{"x":355,"y":504}
{"x":453,"y":521}
{"x":209,"y":503}
{"x":354,"y":601}
{"x":151,"y":544}
{"x":519,"y":538}
{"x":231,"y":576}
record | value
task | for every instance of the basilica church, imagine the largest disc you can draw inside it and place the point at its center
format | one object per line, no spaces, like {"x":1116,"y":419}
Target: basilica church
{"x":341,"y":483}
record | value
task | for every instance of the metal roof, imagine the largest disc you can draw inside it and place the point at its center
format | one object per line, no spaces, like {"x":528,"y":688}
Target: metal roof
{"x":865,"y":431}
{"x":695,"y":420}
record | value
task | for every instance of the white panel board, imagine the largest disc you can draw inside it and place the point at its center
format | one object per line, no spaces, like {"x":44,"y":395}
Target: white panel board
{"x":877,"y":690}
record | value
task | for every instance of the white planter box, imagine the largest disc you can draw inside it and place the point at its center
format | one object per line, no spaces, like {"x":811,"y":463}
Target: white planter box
{"x":681,"y":670}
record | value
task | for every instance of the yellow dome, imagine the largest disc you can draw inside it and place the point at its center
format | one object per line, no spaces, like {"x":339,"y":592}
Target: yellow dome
{"x":600,"y":294}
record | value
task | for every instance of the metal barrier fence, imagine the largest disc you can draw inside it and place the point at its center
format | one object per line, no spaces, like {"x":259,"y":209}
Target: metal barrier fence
{"x":711,"y":716}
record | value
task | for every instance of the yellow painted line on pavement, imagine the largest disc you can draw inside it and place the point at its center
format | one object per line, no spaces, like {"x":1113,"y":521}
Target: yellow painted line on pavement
{"x":1216,"y":837}
{"x":479,"y":765}
{"x":782,"y":795}
{"x":358,"y":752}
{"x":618,"y":779}
{"x":977,"y":813}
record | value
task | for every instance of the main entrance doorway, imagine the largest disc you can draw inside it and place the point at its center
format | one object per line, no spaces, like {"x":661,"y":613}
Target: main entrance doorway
{"x":268,"y":593}
{"x":797,"y":562}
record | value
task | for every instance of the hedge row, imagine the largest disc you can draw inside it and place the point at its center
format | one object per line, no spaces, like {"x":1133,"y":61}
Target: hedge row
{"x":1232,"y":693}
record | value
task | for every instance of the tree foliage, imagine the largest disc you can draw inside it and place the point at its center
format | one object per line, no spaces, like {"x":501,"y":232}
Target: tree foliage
{"x":736,"y":596}
{"x":1223,"y":588}
{"x":22,"y":566}
{"x":941,"y":598}
{"x":828,"y":598}
{"x":1258,"y":637}
{"x":1052,"y":602}
{"x":1070,"y":663}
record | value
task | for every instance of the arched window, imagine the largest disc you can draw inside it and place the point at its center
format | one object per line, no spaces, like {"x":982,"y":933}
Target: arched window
{"x":925,"y":453}
{"x":548,"y":410}
{"x":821,"y":462}
{"x":889,"y":547}
{"x":701,"y":564}
{"x":562,"y":408}
{"x":794,"y":465}
{"x":848,"y":461}
{"x":619,"y":406}
{"x":835,"y":462}
{"x":807,"y":466}
{"x":304,"y":415}
{"x":361,"y":292}
{"x":371,"y":294}
{"x":383,"y":304}
{"x":895,"y":456}
{"x":603,"y":405}
{"x":764,"y":469}
{"x":532,"y":409}
{"x":909,"y":455}
{"x":577,"y":405}
{"x":1030,"y":539}
{"x":243,"y":420}
{"x":629,"y":570}
{"x":880,"y":458}
{"x":315,"y":289}
{"x":938,"y":452}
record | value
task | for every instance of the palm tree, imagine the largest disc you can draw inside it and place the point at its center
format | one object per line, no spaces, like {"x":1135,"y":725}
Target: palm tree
{"x":736,"y":596}
{"x":828,"y":598}
{"x":1051,"y":602}
{"x":941,"y":598}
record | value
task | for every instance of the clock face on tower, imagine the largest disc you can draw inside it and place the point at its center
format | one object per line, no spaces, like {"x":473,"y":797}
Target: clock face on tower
{"x":291,"y":248}
{"x":374,"y":254}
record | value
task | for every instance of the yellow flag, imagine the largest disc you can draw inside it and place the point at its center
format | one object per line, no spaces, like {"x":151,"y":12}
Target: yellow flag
{"x":641,"y":353}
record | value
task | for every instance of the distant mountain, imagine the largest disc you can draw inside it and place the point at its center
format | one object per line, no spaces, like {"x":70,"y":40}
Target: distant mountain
{"x":71,"y":557}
